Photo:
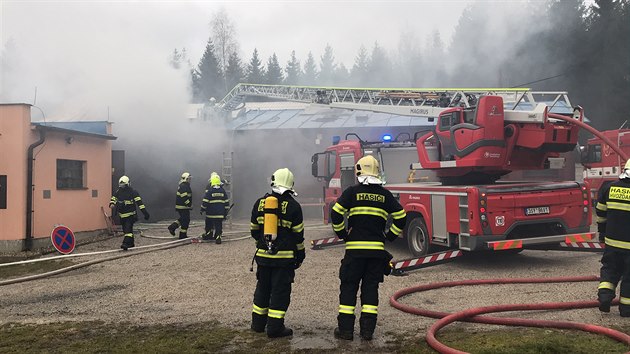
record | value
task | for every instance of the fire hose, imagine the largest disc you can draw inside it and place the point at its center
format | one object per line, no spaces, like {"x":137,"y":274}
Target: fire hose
{"x":471,"y":315}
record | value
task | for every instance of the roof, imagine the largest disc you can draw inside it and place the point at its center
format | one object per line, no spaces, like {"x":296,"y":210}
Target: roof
{"x":316,"y":117}
{"x":97,"y":129}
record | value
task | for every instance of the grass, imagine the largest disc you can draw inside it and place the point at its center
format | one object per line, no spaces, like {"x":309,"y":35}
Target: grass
{"x":13,"y":271}
{"x":211,"y":337}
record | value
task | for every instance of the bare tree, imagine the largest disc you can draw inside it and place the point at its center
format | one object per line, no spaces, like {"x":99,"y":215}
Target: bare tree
{"x":224,"y":38}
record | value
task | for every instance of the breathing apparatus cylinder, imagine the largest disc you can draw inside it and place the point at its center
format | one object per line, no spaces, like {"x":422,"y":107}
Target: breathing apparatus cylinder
{"x":270,"y":228}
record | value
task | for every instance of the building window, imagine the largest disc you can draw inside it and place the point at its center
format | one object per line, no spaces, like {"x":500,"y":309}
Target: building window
{"x":70,"y":174}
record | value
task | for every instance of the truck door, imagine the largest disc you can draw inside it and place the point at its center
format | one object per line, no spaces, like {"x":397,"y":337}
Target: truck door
{"x":347,"y":163}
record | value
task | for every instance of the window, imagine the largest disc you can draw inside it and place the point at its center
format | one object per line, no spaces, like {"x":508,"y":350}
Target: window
{"x":594,"y":153}
{"x":448,"y":120}
{"x":70,"y":174}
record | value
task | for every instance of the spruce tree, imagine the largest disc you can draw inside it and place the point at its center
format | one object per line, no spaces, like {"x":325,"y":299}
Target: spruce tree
{"x":234,"y":72}
{"x":255,"y":70}
{"x":293,"y":70}
{"x":208,"y":79}
{"x":310,"y":71}
{"x":274,"y":71}
{"x":327,"y":67}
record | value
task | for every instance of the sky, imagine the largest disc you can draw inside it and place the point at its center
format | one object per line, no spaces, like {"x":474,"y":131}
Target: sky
{"x":85,"y":50}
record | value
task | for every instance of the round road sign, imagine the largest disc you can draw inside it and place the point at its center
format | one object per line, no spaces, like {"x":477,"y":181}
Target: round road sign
{"x":63,"y":239}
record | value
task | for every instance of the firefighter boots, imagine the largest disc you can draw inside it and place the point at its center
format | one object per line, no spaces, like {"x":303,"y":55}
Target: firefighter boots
{"x":258,"y":322}
{"x":207,"y":236}
{"x":345,"y":329}
{"x":182,"y":235}
{"x":217,"y":240}
{"x":276,"y":328}
{"x":127,"y":243}
{"x":172,"y":227}
{"x":368,"y":324}
{"x":346,"y":335}
{"x":605,"y":298}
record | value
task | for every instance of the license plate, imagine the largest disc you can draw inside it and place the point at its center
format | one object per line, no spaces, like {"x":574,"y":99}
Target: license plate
{"x":537,"y":210}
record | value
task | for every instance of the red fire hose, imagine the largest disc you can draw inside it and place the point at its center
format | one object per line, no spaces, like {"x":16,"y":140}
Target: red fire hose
{"x":471,"y":315}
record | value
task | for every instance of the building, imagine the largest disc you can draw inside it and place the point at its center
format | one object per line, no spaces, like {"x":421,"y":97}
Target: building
{"x":68,"y":165}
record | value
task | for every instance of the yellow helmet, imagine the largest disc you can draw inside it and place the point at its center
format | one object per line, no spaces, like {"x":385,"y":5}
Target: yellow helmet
{"x":123,"y":181}
{"x":627,"y":166}
{"x":185,"y":177}
{"x":282,"y":180}
{"x":367,"y":166}
{"x":215,"y":180}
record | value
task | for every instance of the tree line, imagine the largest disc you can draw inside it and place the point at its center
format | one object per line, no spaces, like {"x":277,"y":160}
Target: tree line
{"x":554,"y":45}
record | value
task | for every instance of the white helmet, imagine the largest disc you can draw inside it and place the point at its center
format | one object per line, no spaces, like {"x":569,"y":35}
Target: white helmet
{"x":123,"y":181}
{"x":367,"y":170}
{"x":185,"y":177}
{"x":282,"y":180}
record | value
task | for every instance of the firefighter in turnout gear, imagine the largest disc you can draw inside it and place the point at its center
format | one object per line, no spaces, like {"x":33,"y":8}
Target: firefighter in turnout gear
{"x":183,"y":206}
{"x":278,"y":228}
{"x":368,"y":206}
{"x":613,"y":222}
{"x":216,"y":206}
{"x":124,"y":202}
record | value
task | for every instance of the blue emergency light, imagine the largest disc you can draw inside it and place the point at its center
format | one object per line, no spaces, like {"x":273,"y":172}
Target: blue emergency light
{"x":387,"y":138}
{"x":336,"y":139}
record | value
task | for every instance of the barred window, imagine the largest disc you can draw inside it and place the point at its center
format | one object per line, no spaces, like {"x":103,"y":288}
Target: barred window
{"x":71,"y":174}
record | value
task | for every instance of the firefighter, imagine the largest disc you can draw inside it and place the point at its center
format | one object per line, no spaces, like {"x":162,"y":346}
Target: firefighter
{"x":368,"y":206}
{"x":278,"y":228}
{"x":183,"y":206}
{"x":124,"y":202}
{"x":613,"y":221}
{"x":216,"y":205}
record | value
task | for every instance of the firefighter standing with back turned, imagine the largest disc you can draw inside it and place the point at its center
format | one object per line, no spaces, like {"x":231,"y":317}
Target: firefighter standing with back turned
{"x":183,"y":206}
{"x":368,"y":205}
{"x":613,"y":224}
{"x":124,"y":202}
{"x":278,"y":228}
{"x":216,"y":205}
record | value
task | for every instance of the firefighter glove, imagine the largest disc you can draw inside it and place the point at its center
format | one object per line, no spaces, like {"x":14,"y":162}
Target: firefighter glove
{"x":146,"y":214}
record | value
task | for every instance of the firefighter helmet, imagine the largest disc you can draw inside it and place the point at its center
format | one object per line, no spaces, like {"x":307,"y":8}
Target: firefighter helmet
{"x":367,"y":166}
{"x":626,"y":171}
{"x":185,"y":177}
{"x":123,"y":181}
{"x":282,"y":180}
{"x":215,"y":180}
{"x":627,"y":166}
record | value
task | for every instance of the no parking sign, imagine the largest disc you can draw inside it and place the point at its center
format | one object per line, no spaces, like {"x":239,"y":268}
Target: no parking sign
{"x":63,"y":239}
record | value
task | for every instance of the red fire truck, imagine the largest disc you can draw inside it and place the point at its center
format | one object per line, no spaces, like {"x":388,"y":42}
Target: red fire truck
{"x":602,"y":163}
{"x":475,"y":142}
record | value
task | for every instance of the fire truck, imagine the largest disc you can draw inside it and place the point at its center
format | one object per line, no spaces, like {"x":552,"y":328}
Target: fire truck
{"x":478,"y":138}
{"x":448,"y":176}
{"x":602,"y":163}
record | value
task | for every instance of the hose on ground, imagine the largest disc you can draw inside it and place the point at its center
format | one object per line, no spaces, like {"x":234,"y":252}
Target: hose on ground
{"x":471,"y":315}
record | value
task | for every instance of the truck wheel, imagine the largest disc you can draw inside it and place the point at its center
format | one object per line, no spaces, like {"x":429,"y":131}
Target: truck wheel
{"x":417,"y":237}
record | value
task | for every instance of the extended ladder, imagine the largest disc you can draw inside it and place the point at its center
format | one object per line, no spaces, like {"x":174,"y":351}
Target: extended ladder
{"x":226,"y":174}
{"x":422,"y":102}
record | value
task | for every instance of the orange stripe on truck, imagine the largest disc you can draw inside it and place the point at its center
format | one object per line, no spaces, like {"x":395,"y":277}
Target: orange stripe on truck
{"x":579,"y":238}
{"x":506,"y":245}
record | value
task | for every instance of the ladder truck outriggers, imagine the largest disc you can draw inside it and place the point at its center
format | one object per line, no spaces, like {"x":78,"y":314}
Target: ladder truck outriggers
{"x":475,"y":141}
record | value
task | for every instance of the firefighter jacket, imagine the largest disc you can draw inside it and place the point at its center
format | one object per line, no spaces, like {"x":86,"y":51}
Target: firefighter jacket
{"x":289,"y":244}
{"x":215,"y":202}
{"x":368,"y":207}
{"x":613,"y":214}
{"x":125,"y":200}
{"x":183,"y":200}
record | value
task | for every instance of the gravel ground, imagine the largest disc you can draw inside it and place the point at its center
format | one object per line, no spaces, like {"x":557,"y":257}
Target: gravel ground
{"x":204,"y":281}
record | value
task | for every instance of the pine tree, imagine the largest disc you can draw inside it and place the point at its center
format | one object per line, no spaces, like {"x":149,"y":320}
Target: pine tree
{"x":310,"y":71}
{"x":274,"y":71}
{"x":342,"y":76}
{"x":327,"y":67}
{"x":234,"y":72}
{"x":255,"y":70}
{"x":359,"y":73}
{"x":293,"y":70}
{"x":379,"y":68}
{"x":208,"y":80}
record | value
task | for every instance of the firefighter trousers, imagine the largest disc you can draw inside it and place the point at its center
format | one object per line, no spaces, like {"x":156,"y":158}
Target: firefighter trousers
{"x":214,"y":224}
{"x":272,"y":296}
{"x":127,"y":228}
{"x":183,"y":221}
{"x":366,"y":273}
{"x":616,"y":267}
